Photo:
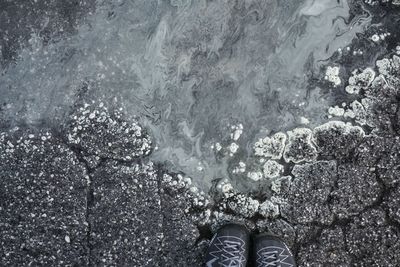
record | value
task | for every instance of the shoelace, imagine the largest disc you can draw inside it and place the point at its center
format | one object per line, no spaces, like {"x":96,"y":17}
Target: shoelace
{"x":270,"y":258}
{"x":232,"y":255}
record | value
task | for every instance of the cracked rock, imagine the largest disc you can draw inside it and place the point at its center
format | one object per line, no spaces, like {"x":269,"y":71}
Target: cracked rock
{"x":357,"y":189}
{"x":279,"y":228}
{"x":139,"y":218}
{"x":389,"y":165}
{"x":328,"y":250}
{"x":392,"y":203}
{"x":372,"y":149}
{"x":308,"y":195}
{"x":372,"y":242}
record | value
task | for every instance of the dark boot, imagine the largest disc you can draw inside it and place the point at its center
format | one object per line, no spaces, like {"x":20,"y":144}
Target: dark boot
{"x":229,"y":247}
{"x":271,"y":251}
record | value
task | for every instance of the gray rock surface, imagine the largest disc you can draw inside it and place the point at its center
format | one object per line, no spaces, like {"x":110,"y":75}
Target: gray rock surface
{"x":125,"y":217}
{"x":328,"y":250}
{"x":308,"y":196}
{"x":43,"y":189}
{"x":58,"y":210}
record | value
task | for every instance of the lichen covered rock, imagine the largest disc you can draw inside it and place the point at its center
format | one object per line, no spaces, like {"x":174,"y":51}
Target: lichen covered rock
{"x":106,"y":133}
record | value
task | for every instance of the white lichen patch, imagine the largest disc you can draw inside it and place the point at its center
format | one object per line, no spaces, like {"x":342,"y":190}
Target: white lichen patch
{"x":244,"y":205}
{"x":268,"y":209}
{"x":241,"y":168}
{"x":179,"y":182}
{"x":379,"y":37}
{"x":358,"y":52}
{"x":255,"y":175}
{"x":388,"y":66}
{"x":117,"y":138}
{"x":357,"y":112}
{"x":237,"y":131}
{"x":277,"y":184}
{"x":336,"y":111}
{"x":271,"y":147}
{"x":304,"y":120}
{"x":332,"y":75}
{"x":339,"y":126}
{"x":237,"y":202}
{"x":272,"y":169}
{"x":196,"y":196}
{"x":300,"y":147}
{"x":217,"y":147}
{"x":233,"y":148}
{"x":226,"y":188}
{"x":375,"y":38}
{"x":360,"y":80}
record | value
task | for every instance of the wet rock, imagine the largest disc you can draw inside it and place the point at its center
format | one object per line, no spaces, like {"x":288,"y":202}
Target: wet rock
{"x":308,"y":195}
{"x":43,"y":190}
{"x":107,"y":134}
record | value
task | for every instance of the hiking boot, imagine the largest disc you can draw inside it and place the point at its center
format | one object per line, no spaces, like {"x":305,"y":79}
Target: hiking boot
{"x":229,"y":247}
{"x":271,"y":251}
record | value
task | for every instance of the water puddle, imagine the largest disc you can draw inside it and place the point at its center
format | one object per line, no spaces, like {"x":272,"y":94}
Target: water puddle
{"x":207,"y":77}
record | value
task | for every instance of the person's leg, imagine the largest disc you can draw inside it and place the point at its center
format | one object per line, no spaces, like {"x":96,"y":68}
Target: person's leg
{"x":229,"y":247}
{"x":271,"y":251}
